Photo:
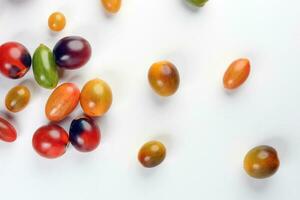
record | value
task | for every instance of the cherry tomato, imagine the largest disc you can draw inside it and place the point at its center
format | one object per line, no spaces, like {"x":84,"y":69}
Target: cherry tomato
{"x":152,"y":154}
{"x":236,"y":74}
{"x":62,"y":101}
{"x":84,"y":134}
{"x":57,"y":21}
{"x":7,"y":131}
{"x":96,"y":98}
{"x":50,"y":141}
{"x":164,"y":78}
{"x":72,"y":52}
{"x":15,"y":60}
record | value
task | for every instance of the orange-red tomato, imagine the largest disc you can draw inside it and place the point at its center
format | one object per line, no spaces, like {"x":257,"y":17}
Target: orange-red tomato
{"x":56,"y":21}
{"x":96,"y":98}
{"x":112,"y":6}
{"x":62,"y":101}
{"x":236,"y":74}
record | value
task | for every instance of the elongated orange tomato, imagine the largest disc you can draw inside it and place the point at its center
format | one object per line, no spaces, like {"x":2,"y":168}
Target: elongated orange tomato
{"x":62,"y":101}
{"x":111,"y":6}
{"x":236,"y":74}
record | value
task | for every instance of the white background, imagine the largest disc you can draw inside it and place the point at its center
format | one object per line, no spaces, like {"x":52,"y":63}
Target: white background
{"x":207,"y":131}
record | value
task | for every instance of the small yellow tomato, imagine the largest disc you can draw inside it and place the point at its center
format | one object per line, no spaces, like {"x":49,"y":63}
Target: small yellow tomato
{"x":57,"y":21}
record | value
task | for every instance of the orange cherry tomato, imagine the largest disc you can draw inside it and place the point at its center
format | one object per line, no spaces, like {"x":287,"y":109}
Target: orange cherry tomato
{"x":57,"y":21}
{"x":62,"y":101}
{"x":96,"y":98}
{"x":152,"y":154}
{"x":261,"y":162}
{"x":111,"y":6}
{"x":164,"y":78}
{"x":236,"y":74}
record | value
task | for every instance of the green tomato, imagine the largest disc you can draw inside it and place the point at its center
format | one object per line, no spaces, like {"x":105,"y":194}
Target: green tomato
{"x":198,"y":3}
{"x":44,"y":67}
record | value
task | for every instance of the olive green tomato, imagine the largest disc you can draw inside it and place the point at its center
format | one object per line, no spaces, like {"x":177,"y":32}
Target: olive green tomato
{"x":198,"y":3}
{"x":44,"y":67}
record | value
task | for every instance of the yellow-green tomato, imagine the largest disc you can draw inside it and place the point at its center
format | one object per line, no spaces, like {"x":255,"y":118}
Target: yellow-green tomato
{"x":44,"y":67}
{"x":96,"y":98}
{"x":17,"y":98}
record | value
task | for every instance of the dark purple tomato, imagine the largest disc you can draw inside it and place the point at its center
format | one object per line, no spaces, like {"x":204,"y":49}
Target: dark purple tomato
{"x":84,"y":134}
{"x":15,"y":60}
{"x":72,"y":52}
{"x":50,"y":141}
{"x":7,"y":132}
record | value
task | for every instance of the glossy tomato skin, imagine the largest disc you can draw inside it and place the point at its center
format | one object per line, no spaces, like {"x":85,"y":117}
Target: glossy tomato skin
{"x":57,"y":21}
{"x":236,"y":74}
{"x":72,"y":52}
{"x":50,"y":141}
{"x":7,"y":131}
{"x":17,"y":98}
{"x":15,"y":60}
{"x":85,"y":134}
{"x":261,"y":162}
{"x":44,"y":67}
{"x":62,"y":101}
{"x":96,"y":98}
{"x":164,"y":78}
{"x":152,"y":154}
{"x":112,"y":6}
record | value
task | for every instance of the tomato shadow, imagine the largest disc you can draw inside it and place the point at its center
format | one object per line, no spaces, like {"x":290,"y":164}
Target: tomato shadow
{"x":67,"y":77}
{"x":104,"y":125}
{"x":7,"y":115}
{"x":32,"y":86}
{"x":188,"y":6}
{"x":256,"y":185}
{"x":18,"y":2}
{"x":61,"y":72}
{"x":229,"y":92}
{"x":107,"y":15}
{"x":156,"y":99}
{"x":232,"y":93}
{"x":53,"y":33}
{"x":146,"y":172}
